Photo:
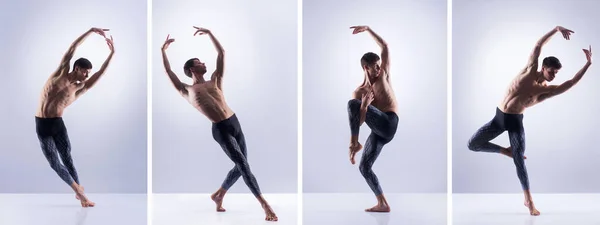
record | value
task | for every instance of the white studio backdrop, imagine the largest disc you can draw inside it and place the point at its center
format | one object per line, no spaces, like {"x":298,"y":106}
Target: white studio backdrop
{"x":260,"y":85}
{"x":107,"y":125}
{"x":492,"y":41}
{"x":415,"y":161}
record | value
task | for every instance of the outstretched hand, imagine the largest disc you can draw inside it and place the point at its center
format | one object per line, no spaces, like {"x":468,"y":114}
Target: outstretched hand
{"x":566,"y":33}
{"x":588,"y":54}
{"x":359,"y":29}
{"x":110,"y":43}
{"x":201,"y":31}
{"x":99,"y":31}
{"x":168,"y":42}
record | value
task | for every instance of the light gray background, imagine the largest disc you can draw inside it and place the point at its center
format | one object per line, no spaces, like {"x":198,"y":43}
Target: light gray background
{"x":491,"y":43}
{"x":107,"y":125}
{"x":260,"y":86}
{"x":415,"y":161}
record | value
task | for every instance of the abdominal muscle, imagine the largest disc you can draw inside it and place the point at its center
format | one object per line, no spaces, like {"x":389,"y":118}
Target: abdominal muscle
{"x":513,"y":104}
{"x":210,"y":102}
{"x":520,"y":95}
{"x":384,"y":97}
{"x":54,"y":99}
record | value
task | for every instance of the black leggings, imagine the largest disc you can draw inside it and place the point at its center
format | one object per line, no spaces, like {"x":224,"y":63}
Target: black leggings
{"x":513,"y":123}
{"x":228,"y":133}
{"x":54,"y":139}
{"x":383,"y":128}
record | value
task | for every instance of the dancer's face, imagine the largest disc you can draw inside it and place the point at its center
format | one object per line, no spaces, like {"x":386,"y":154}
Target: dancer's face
{"x":373,"y":70}
{"x":81,"y":74}
{"x":549,"y":73}
{"x":199,"y":67}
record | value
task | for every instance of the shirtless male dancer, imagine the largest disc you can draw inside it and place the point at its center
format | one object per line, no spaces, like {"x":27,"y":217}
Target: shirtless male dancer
{"x":207,"y":97}
{"x":62,"y":89}
{"x":527,"y":89}
{"x":373,"y":102}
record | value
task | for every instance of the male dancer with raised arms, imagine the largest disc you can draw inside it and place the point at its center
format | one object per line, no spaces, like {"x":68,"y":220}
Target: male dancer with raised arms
{"x":207,"y":97}
{"x":62,"y":88}
{"x":527,"y":89}
{"x":373,"y":102}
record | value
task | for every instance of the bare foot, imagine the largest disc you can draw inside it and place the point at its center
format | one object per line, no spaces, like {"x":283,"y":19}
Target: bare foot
{"x":532,"y":210}
{"x":354,"y":148}
{"x":270,"y":215}
{"x":508,"y":152}
{"x":379,"y":208}
{"x":218,"y":199}
{"x":85,"y":202}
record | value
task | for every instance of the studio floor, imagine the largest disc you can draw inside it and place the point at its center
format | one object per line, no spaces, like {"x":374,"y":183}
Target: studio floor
{"x":508,"y":209}
{"x":348,"y":209}
{"x":330,"y":209}
{"x":199,"y":209}
{"x":64,"y":209}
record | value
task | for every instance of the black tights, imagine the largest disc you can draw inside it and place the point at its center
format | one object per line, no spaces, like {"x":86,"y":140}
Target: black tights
{"x":513,"y":123}
{"x":228,"y":133}
{"x":54,"y":141}
{"x":383,"y":128}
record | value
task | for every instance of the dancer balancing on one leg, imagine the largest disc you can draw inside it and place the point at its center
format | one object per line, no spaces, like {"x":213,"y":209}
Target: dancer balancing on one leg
{"x":62,"y":88}
{"x":529,"y":88}
{"x":373,"y":102}
{"x":207,"y":97}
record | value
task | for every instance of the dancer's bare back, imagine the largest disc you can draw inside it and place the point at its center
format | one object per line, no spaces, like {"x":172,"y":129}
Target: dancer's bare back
{"x":208,"y":98}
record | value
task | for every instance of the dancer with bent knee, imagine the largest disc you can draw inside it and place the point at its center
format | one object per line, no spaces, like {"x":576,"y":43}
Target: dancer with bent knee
{"x":373,"y":102}
{"x":207,"y":96}
{"x":529,"y":88}
{"x":63,"y":88}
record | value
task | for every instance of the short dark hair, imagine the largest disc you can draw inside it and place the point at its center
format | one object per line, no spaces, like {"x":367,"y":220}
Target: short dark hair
{"x":368,"y":58}
{"x":551,"y":62}
{"x":83,"y":63}
{"x":188,"y":65}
